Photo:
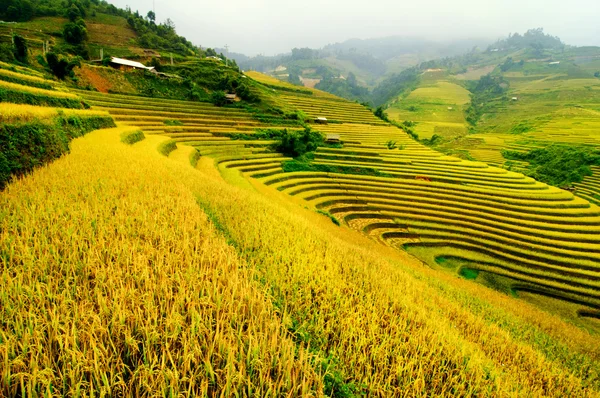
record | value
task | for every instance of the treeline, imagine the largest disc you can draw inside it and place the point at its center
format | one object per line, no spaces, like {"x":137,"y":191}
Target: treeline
{"x":346,"y":88}
{"x":533,"y":38}
{"x":395,"y":85}
{"x":160,"y":36}
{"x":484,"y":94}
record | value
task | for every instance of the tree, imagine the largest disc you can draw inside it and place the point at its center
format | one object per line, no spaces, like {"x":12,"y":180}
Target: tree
{"x":73,"y":13}
{"x":20,"y":49}
{"x":75,"y":32}
{"x":61,"y":67}
{"x":597,"y":74}
{"x":151,"y":16}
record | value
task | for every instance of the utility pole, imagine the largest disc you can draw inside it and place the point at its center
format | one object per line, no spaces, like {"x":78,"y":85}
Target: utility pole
{"x":226,"y":55}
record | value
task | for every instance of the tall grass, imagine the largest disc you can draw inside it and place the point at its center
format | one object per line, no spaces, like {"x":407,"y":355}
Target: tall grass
{"x":116,"y":284}
{"x":129,"y":273}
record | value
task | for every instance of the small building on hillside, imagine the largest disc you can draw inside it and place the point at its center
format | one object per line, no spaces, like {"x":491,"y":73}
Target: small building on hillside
{"x":333,"y":138}
{"x":514,"y":99}
{"x":231,"y":97}
{"x":125,"y":64}
{"x":554,"y":63}
{"x":321,"y":120}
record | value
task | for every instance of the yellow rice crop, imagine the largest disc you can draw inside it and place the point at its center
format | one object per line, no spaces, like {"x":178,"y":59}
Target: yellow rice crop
{"x":115,"y":281}
{"x":34,"y":90}
{"x":22,"y":76}
{"x":12,"y":113}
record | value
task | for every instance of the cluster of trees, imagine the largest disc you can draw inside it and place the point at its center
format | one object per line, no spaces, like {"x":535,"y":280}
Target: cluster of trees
{"x":364,"y":61}
{"x":159,"y":36}
{"x":346,"y":88}
{"x":152,"y":35}
{"x":17,"y":50}
{"x":395,"y":85}
{"x":535,"y":39}
{"x":558,"y":165}
{"x":484,"y":93}
{"x":510,"y":64}
{"x":25,"y":10}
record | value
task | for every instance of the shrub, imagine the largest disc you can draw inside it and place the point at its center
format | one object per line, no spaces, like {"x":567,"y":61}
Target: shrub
{"x":331,"y":216}
{"x":298,"y":143}
{"x":61,"y":67}
{"x":20,"y":49}
{"x":167,"y":147}
{"x":75,"y":32}
{"x":131,"y":137}
{"x":218,"y":98}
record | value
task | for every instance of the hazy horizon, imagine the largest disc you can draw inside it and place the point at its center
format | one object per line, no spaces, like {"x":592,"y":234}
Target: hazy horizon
{"x":267,"y":27}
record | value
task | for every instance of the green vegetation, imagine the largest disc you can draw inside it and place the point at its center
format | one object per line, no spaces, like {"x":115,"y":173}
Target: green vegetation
{"x":298,"y":143}
{"x":485,"y":94}
{"x":61,"y":66}
{"x":131,"y":137}
{"x":558,"y":165}
{"x":396,"y":85}
{"x":534,"y":39}
{"x":346,"y":88}
{"x":173,"y":122}
{"x":330,"y":216}
{"x":37,"y":142}
{"x":166,"y":147}
{"x":306,"y":164}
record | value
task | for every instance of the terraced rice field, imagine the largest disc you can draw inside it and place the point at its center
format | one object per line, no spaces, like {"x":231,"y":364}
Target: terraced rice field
{"x":202,"y":126}
{"x":589,"y":188}
{"x":454,"y":212}
{"x":449,"y":212}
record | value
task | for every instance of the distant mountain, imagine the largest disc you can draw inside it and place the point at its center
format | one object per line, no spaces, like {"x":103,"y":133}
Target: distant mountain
{"x":386,"y":48}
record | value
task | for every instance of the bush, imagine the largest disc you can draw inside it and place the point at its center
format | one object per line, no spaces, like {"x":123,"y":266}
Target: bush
{"x":298,"y":143}
{"x":21,"y":51}
{"x":131,"y":137}
{"x":6,"y":53}
{"x":218,"y":98}
{"x":61,"y":67}
{"x":75,"y":32}
{"x":167,"y":147}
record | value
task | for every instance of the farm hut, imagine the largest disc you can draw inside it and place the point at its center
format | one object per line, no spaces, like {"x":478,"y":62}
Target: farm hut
{"x":514,"y":99}
{"x":231,"y":97}
{"x":125,"y":64}
{"x":321,"y":120}
{"x":554,"y":63}
{"x":333,"y":138}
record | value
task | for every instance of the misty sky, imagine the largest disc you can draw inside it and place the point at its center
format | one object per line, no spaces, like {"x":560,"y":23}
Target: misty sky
{"x":270,"y":27}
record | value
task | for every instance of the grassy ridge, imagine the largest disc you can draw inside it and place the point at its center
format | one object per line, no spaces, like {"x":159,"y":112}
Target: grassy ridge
{"x":30,"y":136}
{"x":20,"y":94}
